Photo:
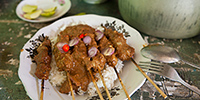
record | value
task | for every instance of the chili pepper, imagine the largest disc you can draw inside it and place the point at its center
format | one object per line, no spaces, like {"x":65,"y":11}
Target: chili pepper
{"x":66,"y":47}
{"x":82,"y":35}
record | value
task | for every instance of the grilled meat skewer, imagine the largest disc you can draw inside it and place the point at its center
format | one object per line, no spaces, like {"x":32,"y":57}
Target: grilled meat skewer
{"x":97,"y":63}
{"x":123,"y":50}
{"x":43,"y":59}
{"x":112,"y":59}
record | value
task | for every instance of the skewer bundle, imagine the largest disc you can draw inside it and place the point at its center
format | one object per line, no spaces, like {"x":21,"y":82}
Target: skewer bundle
{"x":92,"y":48}
{"x":81,"y":52}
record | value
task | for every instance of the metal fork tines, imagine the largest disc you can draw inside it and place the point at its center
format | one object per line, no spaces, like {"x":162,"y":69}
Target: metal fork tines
{"x":166,"y":71}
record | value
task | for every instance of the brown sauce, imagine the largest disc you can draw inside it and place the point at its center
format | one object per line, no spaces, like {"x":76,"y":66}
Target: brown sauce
{"x":76,"y":61}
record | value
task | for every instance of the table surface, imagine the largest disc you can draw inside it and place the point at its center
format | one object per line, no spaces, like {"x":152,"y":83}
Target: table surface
{"x":14,"y":33}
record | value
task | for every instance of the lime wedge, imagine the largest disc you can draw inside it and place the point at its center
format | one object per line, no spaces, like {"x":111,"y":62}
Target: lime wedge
{"x":50,"y":9}
{"x":29,"y":8}
{"x":48,"y":14}
{"x":36,"y":14}
{"x":33,"y":15}
{"x":27,"y":16}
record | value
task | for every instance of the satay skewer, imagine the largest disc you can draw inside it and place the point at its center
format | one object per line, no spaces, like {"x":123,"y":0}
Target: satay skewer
{"x":71,"y":87}
{"x":42,"y":90}
{"x":95,"y":84}
{"x":106,"y":46}
{"x":104,"y":84}
{"x":42,"y":59}
{"x":92,"y":45}
{"x":120,"y":44}
{"x":120,"y":80}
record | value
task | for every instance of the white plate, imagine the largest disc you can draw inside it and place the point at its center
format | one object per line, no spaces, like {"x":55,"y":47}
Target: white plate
{"x":132,"y":79}
{"x":44,"y":4}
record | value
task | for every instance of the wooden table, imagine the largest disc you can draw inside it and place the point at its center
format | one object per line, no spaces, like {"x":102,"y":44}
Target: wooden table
{"x":14,"y":33}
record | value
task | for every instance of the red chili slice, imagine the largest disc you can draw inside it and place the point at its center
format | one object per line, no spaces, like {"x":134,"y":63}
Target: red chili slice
{"x":82,"y":35}
{"x":65,"y":47}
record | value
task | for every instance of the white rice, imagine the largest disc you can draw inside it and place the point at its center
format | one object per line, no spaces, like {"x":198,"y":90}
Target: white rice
{"x":58,"y":77}
{"x":109,"y":76}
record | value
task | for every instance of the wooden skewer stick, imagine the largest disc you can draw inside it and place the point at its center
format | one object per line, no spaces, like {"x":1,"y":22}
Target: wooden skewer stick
{"x":95,"y":84}
{"x":70,"y":84}
{"x":104,"y":84}
{"x":42,"y":90}
{"x":120,"y":80}
{"x":146,"y":76}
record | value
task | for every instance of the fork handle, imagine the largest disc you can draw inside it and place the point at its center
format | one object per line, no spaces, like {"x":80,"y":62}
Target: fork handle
{"x":191,"y":64}
{"x":196,"y":90}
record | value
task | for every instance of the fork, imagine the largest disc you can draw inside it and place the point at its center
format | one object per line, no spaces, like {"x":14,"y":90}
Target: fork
{"x":166,"y":71}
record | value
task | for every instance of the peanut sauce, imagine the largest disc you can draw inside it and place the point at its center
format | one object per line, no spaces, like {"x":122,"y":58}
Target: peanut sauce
{"x":76,"y":61}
